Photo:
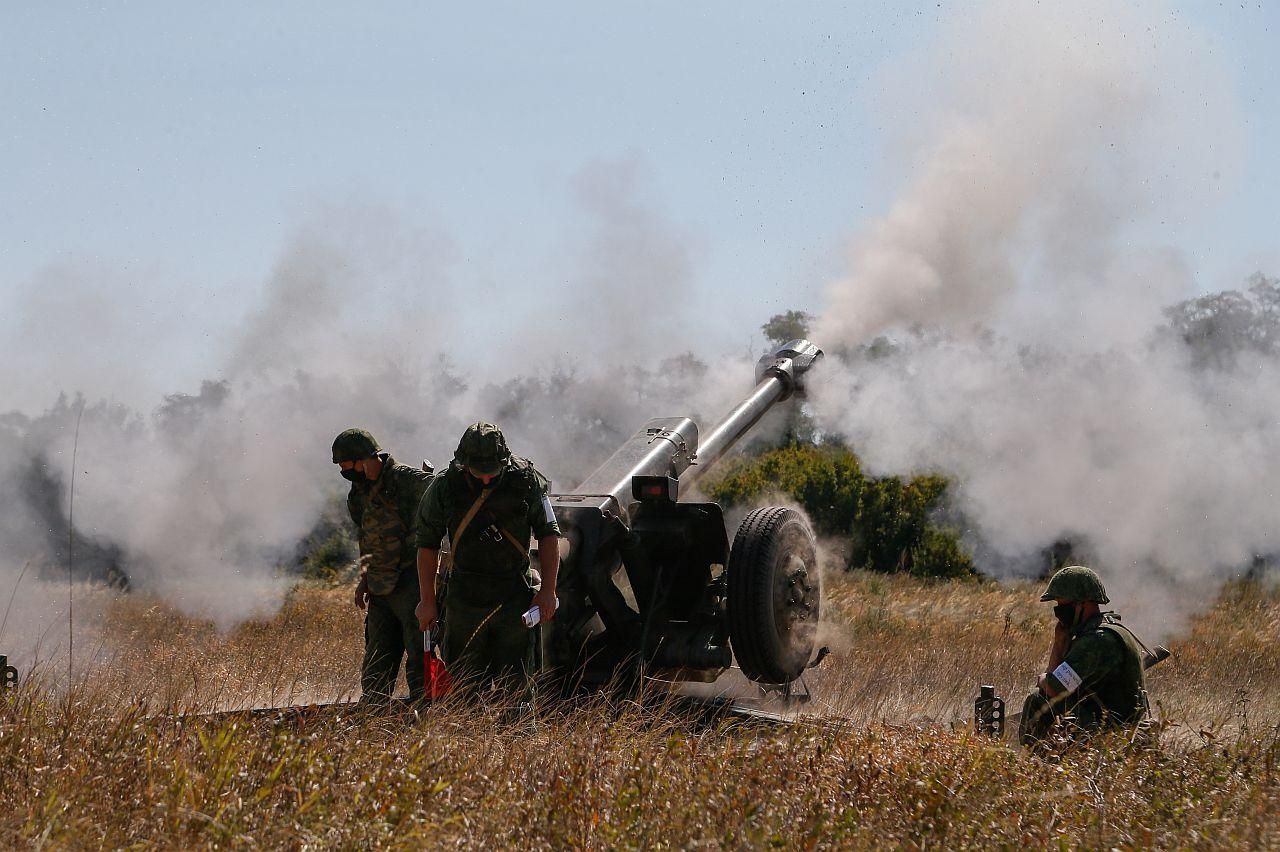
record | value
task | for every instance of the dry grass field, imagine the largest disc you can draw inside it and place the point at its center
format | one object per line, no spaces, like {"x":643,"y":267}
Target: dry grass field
{"x":121,"y":763}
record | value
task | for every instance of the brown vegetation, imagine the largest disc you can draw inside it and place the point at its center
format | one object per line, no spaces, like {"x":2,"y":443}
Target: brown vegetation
{"x":111,"y":767}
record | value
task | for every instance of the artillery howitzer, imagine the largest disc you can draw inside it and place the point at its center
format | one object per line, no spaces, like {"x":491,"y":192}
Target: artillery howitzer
{"x":649,"y":584}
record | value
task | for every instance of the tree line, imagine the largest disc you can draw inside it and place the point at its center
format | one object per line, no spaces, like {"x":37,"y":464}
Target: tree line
{"x":894,"y":523}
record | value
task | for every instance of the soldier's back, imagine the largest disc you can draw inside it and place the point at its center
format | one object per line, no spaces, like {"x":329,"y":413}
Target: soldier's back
{"x":1108,"y":660}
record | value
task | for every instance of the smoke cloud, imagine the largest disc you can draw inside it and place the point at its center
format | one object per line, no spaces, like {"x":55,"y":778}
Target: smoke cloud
{"x":998,"y":323}
{"x":1043,"y":143}
{"x":203,"y":495}
{"x":1016,"y":292}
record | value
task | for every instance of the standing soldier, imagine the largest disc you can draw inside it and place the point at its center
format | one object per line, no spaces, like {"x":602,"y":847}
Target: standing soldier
{"x":1095,"y":664}
{"x":489,"y":503}
{"x":383,"y":502}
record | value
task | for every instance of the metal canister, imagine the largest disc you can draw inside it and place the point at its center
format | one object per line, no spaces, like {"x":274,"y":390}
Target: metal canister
{"x":988,"y":712}
{"x":8,"y":674}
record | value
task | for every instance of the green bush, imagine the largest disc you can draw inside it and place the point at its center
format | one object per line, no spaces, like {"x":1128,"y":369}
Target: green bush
{"x":828,"y":483}
{"x":886,"y":521}
{"x":330,"y":557}
{"x":939,"y":554}
{"x":328,"y":550}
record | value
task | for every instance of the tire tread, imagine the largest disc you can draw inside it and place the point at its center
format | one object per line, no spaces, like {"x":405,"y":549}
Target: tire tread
{"x":750,"y":605}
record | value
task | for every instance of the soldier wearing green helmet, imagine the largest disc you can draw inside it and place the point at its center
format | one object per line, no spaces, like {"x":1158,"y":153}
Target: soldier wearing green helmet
{"x":383,"y":503}
{"x":1095,"y":675}
{"x":489,"y":503}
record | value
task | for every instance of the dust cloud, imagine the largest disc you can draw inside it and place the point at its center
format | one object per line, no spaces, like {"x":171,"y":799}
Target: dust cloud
{"x":999,"y":323}
{"x":1002,"y":321}
{"x":201,"y":497}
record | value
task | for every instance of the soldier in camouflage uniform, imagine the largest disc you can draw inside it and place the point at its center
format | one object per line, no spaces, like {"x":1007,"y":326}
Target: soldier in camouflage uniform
{"x":1095,"y":674}
{"x":489,"y":502}
{"x":383,"y":502}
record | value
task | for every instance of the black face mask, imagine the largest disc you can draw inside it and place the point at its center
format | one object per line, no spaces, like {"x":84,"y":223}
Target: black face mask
{"x":1066,"y":614}
{"x":352,"y":475}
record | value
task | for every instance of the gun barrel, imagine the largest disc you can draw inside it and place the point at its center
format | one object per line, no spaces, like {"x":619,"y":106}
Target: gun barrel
{"x":737,"y":423}
{"x":663,"y":447}
{"x":669,"y":446}
{"x":780,"y":375}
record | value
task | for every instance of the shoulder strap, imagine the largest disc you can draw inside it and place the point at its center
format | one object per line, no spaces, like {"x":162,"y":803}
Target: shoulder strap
{"x":1113,"y":623}
{"x":515,"y":542}
{"x":387,"y":472}
{"x":466,"y":519}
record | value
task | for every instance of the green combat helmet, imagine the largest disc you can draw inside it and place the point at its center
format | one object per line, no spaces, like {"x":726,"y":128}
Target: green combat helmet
{"x":483,"y":449}
{"x":1076,"y":583}
{"x":353,"y":445}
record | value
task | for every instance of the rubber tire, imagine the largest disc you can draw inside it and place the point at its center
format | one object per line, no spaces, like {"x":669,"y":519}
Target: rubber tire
{"x":773,"y":640}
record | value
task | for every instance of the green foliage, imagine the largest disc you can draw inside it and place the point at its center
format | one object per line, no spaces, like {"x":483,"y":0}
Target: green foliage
{"x":329,"y":549}
{"x":886,"y":521}
{"x":939,"y":554}
{"x":827,"y":483}
{"x":785,"y":327}
{"x":330,"y":557}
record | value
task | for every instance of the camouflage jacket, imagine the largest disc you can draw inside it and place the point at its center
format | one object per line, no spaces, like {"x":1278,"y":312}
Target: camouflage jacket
{"x":385,"y":512}
{"x":495,"y":541}
{"x":1101,"y":679}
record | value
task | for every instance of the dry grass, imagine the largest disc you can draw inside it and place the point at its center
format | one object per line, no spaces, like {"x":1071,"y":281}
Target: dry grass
{"x":97,"y":771}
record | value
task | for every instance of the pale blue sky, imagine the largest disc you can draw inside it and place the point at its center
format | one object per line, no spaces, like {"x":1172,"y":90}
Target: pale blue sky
{"x":188,"y":142}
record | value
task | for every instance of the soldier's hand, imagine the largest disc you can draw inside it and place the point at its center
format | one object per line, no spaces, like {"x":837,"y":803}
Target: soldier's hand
{"x":362,"y":593}
{"x":1061,"y":642}
{"x":427,"y":616}
{"x":545,"y":601}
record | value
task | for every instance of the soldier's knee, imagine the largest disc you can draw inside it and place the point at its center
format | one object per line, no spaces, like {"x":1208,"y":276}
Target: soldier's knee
{"x":1037,"y":718}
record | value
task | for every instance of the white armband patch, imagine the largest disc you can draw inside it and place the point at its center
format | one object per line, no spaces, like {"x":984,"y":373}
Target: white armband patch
{"x":1067,"y":676}
{"x":546,"y":507}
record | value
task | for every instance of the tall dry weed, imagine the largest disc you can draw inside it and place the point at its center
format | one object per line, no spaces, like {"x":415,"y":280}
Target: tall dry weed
{"x":115,"y":762}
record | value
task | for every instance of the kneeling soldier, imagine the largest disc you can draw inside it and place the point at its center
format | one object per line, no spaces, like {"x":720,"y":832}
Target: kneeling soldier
{"x":1095,"y":664}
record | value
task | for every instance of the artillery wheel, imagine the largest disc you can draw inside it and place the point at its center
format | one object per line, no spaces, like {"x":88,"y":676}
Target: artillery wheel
{"x":775,"y":595}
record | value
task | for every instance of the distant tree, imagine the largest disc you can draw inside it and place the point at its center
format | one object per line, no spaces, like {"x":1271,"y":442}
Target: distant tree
{"x":178,"y":414}
{"x":794,"y":424}
{"x":1266,"y":295}
{"x":1220,"y":327}
{"x":786,"y":326}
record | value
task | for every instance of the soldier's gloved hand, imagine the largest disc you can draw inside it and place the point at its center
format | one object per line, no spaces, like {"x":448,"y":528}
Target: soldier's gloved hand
{"x":545,"y":601}
{"x":1061,"y":643}
{"x":427,"y":616}
{"x":362,"y":592}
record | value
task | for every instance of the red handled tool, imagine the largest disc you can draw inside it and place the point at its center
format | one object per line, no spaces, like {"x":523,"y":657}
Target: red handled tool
{"x":437,"y":681}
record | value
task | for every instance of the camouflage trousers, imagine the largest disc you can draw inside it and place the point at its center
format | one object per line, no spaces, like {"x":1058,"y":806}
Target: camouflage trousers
{"x":485,"y":638}
{"x":390,"y":635}
{"x":1083,"y":717}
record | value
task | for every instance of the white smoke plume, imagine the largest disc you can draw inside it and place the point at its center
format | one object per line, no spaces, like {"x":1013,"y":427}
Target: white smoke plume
{"x":1017,"y":276}
{"x":1042,"y":148}
{"x":1042,"y":141}
{"x":365,"y":321}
